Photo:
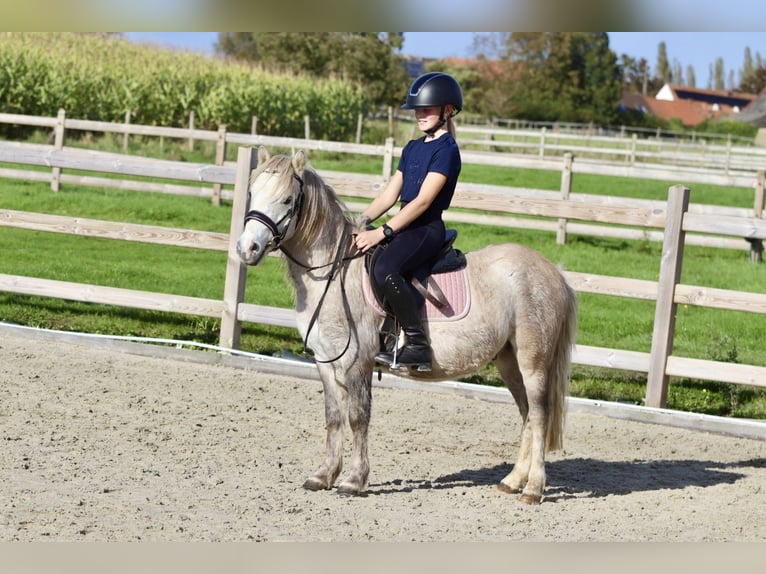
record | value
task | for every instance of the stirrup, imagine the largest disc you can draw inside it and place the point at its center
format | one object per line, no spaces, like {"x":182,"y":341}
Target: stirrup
{"x":421,"y":366}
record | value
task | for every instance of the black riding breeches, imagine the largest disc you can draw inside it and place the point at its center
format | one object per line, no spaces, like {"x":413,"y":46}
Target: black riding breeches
{"x":411,"y":252}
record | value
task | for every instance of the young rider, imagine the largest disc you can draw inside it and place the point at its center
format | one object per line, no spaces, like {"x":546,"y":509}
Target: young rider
{"x":424,"y":182}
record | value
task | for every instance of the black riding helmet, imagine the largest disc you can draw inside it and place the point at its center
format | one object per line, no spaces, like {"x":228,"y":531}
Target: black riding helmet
{"x":435,"y":89}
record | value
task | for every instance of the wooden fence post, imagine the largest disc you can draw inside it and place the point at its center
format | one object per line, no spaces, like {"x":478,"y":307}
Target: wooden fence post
{"x":388,"y":158}
{"x":191,"y":128}
{"x":542,"y":142}
{"x":126,"y":136}
{"x":756,"y":245}
{"x":665,"y":309}
{"x":760,"y":184}
{"x":236,"y":271}
{"x":728,"y":155}
{"x":633,"y":143}
{"x":307,"y":127}
{"x":566,"y":189}
{"x":58,"y":144}
{"x":359,"y":120}
{"x":220,"y":157}
{"x":254,"y":125}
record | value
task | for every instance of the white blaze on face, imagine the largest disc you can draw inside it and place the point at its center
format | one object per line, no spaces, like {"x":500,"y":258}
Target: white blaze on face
{"x":256,"y":238}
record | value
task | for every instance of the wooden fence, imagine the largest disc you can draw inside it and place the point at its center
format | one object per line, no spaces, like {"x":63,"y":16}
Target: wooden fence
{"x":674,"y":217}
{"x":354,"y":185}
{"x":696,"y":156}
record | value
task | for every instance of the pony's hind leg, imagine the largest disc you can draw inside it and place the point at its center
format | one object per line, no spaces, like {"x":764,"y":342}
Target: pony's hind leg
{"x":508,"y":367}
{"x":334,"y":400}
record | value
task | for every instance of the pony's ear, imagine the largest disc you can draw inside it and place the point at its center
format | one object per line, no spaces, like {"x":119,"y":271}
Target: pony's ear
{"x":263,"y":155}
{"x":299,"y":161}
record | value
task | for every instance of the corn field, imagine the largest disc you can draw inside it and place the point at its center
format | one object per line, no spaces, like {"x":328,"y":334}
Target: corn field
{"x":100,"y":77}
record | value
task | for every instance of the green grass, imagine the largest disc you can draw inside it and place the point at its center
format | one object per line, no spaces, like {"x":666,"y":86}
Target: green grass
{"x":603,"y":321}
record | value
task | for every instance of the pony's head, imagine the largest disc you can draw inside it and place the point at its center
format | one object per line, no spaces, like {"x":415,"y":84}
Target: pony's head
{"x":275,"y":199}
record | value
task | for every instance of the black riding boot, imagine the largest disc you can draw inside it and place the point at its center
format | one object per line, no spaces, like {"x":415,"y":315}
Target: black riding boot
{"x":416,"y":351}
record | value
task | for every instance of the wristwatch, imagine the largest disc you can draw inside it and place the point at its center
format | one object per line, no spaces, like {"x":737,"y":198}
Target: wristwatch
{"x":387,"y":231}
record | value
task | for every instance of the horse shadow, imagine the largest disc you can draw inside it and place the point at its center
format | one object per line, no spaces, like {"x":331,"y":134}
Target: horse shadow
{"x":592,"y":478}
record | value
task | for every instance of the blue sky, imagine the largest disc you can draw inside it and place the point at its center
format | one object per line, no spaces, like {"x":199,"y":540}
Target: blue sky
{"x":699,"y":49}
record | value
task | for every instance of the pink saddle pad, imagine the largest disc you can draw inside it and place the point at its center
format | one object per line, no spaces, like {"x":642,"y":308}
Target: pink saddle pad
{"x":454,"y":285}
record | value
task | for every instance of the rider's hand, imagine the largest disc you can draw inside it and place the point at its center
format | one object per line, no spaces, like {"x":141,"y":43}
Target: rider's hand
{"x":366,"y":240}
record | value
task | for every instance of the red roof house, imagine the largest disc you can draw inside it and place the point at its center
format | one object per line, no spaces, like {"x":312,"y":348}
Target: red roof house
{"x":690,"y":105}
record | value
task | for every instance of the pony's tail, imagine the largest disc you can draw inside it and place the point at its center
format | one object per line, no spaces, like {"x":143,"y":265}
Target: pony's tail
{"x":560,"y":372}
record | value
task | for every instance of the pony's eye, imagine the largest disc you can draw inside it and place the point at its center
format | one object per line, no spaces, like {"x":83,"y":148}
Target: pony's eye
{"x":287,"y":201}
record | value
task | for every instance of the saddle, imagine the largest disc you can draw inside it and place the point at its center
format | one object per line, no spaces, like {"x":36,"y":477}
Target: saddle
{"x":448,"y":259}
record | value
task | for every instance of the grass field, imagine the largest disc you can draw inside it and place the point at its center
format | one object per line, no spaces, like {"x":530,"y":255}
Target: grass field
{"x":603,"y":321}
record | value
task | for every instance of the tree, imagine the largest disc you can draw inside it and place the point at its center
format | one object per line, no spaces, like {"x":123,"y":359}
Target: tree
{"x":371,"y":59}
{"x":747,"y":65}
{"x":633,"y":72}
{"x":753,"y":78}
{"x":663,"y":65}
{"x":677,"y":75}
{"x":565,"y":76}
{"x":719,"y":75}
{"x":691,"y":79}
{"x":755,"y":82}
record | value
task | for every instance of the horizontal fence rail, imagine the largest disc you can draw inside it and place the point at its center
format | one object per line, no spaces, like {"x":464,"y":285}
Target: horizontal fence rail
{"x":674,"y":221}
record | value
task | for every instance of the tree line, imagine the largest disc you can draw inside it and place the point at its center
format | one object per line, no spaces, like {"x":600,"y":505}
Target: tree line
{"x":640,"y":77}
{"x":537,"y":76}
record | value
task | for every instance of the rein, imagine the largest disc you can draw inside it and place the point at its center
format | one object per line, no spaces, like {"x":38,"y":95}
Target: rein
{"x":336,"y":264}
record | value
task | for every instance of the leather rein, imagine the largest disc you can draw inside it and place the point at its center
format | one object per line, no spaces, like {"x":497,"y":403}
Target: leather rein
{"x":335,"y":265}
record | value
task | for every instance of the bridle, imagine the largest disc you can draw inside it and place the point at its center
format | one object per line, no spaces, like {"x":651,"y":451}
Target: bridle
{"x":277,"y":236}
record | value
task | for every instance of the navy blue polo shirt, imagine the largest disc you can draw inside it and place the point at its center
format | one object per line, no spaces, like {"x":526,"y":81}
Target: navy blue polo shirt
{"x":420,"y":157}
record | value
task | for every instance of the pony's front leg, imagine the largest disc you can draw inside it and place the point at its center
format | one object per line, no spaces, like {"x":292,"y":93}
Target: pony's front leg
{"x":359,"y":384}
{"x":334,"y":400}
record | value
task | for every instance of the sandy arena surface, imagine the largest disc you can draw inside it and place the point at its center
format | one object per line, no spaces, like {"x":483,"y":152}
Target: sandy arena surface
{"x":108,"y":446}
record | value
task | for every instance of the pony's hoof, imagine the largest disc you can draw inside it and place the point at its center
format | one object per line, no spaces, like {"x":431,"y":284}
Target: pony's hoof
{"x":505,"y":489}
{"x":314,"y":484}
{"x":348,"y":490}
{"x":531,"y":499}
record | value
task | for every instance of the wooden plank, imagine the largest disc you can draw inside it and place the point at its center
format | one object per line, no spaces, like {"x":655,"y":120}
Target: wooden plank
{"x":112,"y":163}
{"x":716,"y":371}
{"x":23,"y":120}
{"x":610,"y":358}
{"x":267,"y":315}
{"x":615,"y":286}
{"x":110,"y":295}
{"x":114,"y":230}
{"x":726,"y":225}
{"x":136,"y":129}
{"x":147,"y":186}
{"x":555,"y":208}
{"x":720,"y":298}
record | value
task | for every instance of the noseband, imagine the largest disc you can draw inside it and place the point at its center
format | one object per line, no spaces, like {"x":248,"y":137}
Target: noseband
{"x":276,"y":235}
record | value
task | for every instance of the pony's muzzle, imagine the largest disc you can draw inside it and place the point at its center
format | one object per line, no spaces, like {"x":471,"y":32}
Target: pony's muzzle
{"x":249,"y":251}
